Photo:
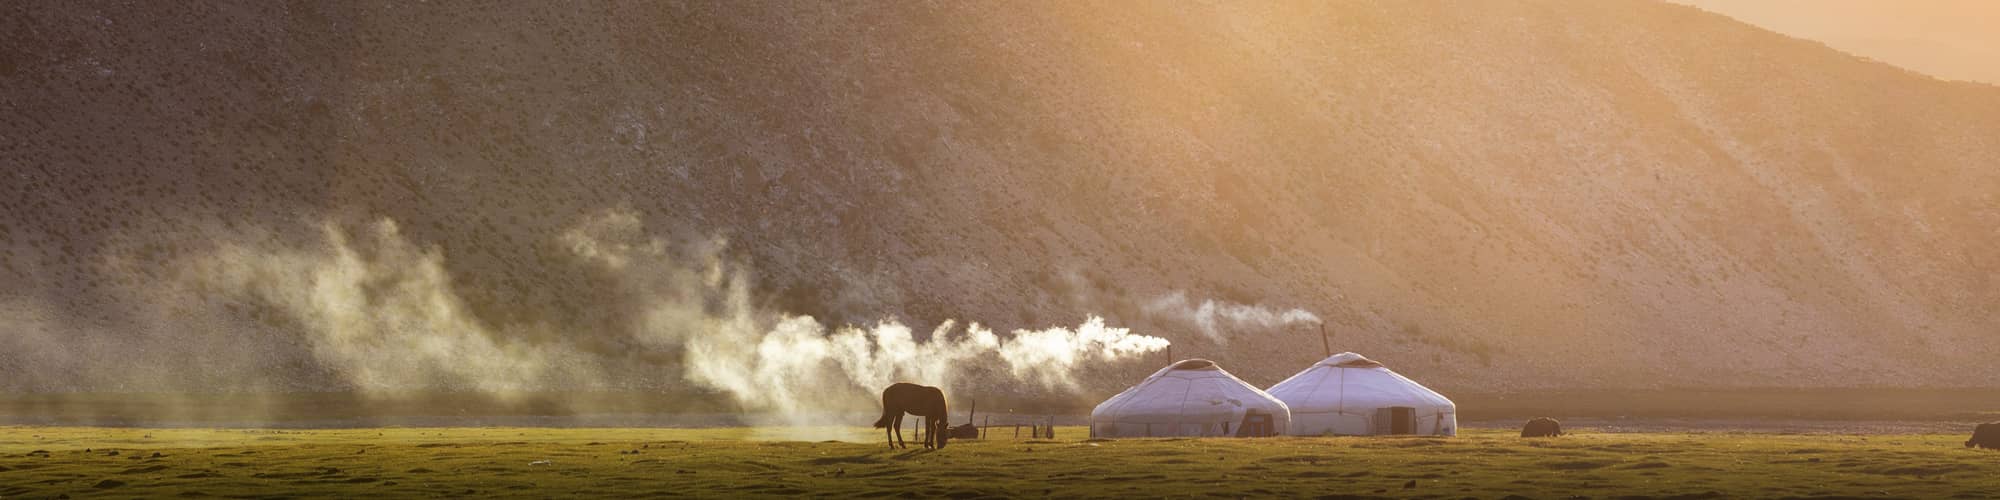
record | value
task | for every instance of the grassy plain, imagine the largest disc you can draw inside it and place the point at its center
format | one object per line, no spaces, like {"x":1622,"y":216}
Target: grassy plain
{"x":40,"y":462}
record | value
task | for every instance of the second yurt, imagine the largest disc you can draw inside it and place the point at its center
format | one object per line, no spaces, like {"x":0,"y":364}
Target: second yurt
{"x":1190,"y":398}
{"x":1350,"y":395}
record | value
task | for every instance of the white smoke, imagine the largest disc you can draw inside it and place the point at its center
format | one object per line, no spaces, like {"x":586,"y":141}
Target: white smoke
{"x":383,"y":315}
{"x":1215,"y":319}
{"x":781,"y":364}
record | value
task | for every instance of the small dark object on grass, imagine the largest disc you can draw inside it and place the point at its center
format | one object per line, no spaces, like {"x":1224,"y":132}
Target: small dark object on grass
{"x":109,"y":483}
{"x":112,"y":453}
{"x":1985,"y":436}
{"x":967,"y":431}
{"x":1410,"y":485}
{"x":157,"y":455}
{"x":1542,"y":427}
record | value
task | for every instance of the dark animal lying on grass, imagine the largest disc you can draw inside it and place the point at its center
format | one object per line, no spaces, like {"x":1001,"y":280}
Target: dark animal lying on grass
{"x":1542,"y":427}
{"x":920,"y":400}
{"x":1985,"y":436}
{"x":967,"y":431}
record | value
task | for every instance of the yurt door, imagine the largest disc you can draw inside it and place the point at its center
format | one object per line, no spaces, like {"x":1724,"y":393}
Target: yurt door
{"x":1402,"y":420}
{"x":1256,"y":424}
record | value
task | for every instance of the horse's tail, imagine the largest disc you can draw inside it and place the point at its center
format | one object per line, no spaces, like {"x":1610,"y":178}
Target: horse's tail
{"x":883,"y":423}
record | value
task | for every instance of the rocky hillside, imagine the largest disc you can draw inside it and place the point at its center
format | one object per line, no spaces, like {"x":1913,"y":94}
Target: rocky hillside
{"x":1487,"y":196}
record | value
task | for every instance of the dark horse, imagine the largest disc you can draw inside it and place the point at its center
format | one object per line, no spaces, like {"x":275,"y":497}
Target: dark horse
{"x":920,"y":400}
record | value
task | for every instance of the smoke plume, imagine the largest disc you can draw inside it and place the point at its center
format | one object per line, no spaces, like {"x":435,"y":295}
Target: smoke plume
{"x":1215,"y":319}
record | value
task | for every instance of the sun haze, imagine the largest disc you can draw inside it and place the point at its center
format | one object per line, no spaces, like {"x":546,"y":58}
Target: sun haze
{"x":1949,"y":39}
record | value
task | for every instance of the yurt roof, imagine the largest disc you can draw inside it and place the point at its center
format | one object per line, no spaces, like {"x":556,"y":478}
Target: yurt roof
{"x":1348,"y":360}
{"x":1348,"y":379}
{"x":1195,"y":364}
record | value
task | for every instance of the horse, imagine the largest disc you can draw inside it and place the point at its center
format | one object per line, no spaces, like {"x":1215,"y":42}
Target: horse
{"x":920,"y":400}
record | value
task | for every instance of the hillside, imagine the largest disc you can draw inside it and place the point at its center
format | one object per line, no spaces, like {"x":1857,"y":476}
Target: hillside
{"x":1491,"y":196}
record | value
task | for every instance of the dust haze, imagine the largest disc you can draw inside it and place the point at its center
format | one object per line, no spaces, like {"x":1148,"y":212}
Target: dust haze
{"x":382,"y":316}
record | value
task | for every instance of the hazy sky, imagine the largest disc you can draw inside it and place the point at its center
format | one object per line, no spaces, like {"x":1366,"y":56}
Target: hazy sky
{"x":1950,"y":39}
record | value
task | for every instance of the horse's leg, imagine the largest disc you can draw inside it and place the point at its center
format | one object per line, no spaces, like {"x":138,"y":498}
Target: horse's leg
{"x":899,"y":431}
{"x":888,"y":433}
{"x":927,"y":428}
{"x":930,"y":432}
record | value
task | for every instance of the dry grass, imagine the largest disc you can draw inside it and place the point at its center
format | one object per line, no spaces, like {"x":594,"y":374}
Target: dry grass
{"x":485,"y":462}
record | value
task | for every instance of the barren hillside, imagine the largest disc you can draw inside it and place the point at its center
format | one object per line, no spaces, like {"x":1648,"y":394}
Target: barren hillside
{"x":1486,"y":196}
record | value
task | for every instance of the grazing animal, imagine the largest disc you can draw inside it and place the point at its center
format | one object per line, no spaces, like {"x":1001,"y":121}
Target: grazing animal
{"x":1985,"y":436}
{"x":1542,"y":427}
{"x":920,"y":400}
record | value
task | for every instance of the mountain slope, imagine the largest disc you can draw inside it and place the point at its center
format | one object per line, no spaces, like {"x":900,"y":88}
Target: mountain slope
{"x":1489,"y":197}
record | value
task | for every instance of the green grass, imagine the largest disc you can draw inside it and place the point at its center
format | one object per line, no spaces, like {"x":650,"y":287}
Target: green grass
{"x":716,"y":463}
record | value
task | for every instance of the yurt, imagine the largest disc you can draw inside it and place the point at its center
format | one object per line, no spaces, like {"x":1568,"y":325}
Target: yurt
{"x":1350,"y":395}
{"x":1190,"y":398}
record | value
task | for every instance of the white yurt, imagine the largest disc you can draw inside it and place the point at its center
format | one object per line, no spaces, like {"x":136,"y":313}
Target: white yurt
{"x":1190,"y":398}
{"x":1350,"y":395}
